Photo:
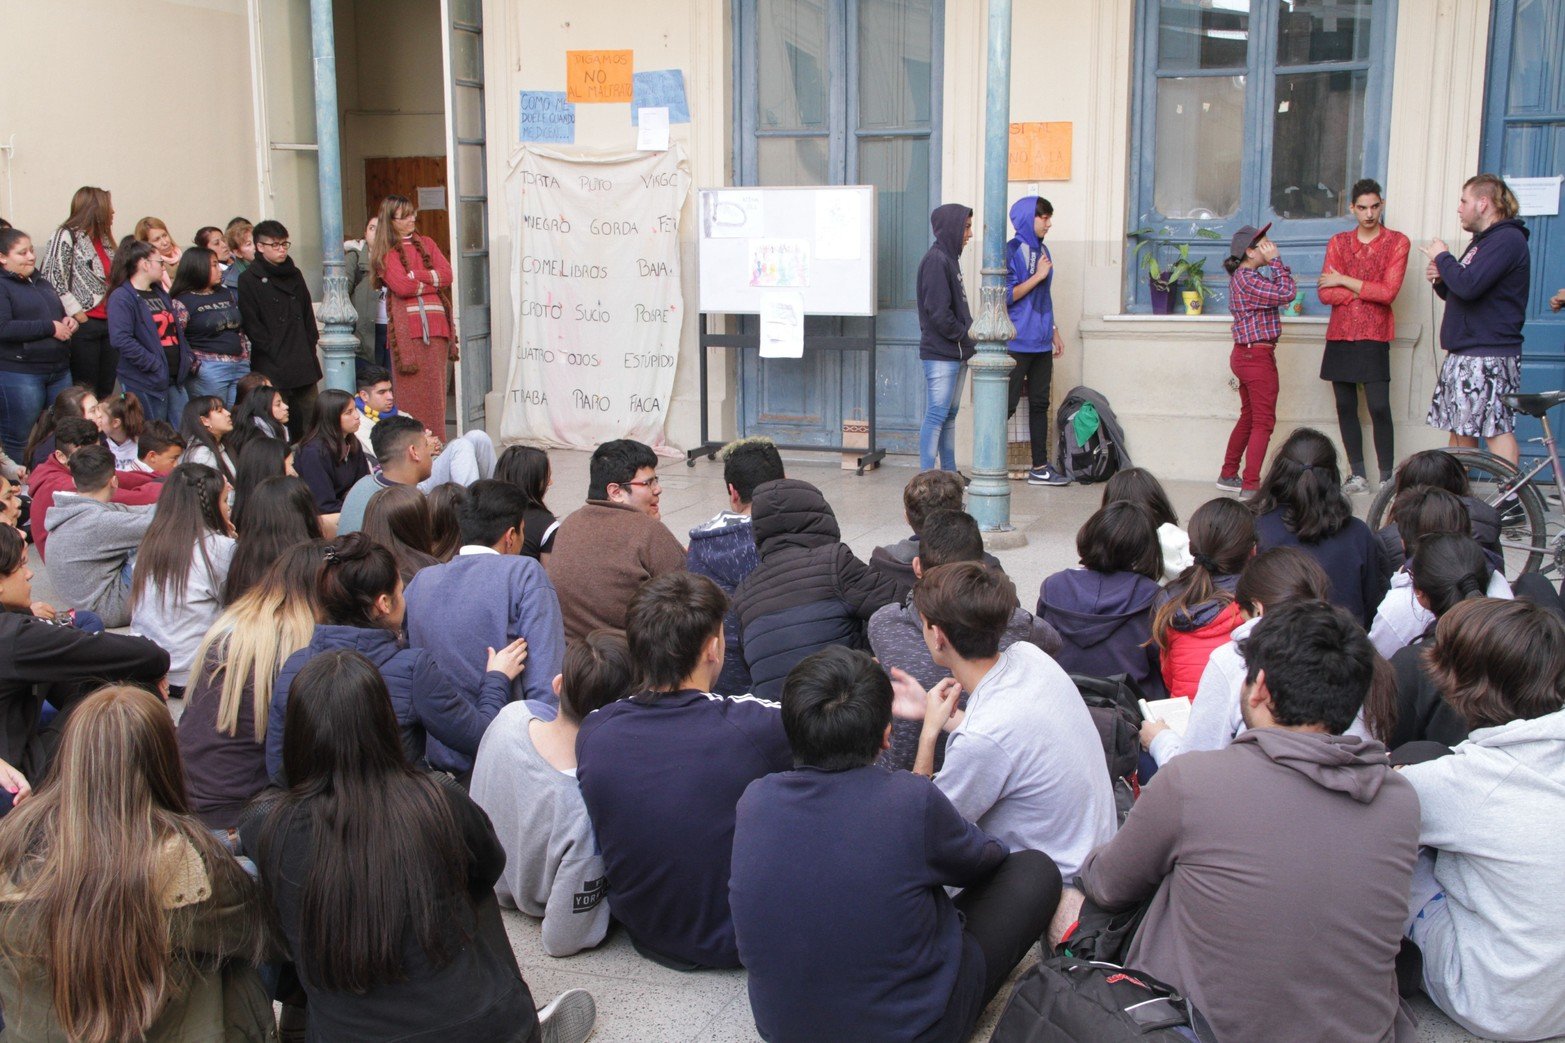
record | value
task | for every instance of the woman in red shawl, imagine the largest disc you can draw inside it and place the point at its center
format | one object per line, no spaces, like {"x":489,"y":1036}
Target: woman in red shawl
{"x":419,"y":332}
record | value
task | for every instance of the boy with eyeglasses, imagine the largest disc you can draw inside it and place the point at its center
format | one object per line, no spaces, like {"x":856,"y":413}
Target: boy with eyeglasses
{"x":279,"y":319}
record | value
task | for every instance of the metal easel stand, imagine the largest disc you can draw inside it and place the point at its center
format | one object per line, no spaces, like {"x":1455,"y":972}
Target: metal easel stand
{"x":708,"y":448}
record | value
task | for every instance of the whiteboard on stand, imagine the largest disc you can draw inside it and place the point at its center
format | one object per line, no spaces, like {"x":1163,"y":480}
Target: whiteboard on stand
{"x":815,"y":241}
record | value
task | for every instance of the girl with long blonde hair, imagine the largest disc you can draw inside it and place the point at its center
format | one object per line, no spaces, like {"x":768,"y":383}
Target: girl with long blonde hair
{"x":222,"y":733}
{"x":420,"y":334}
{"x":121,"y":916}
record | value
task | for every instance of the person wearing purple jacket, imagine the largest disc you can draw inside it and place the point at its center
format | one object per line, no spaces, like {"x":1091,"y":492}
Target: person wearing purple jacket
{"x":1103,"y":609}
{"x":1485,"y":296}
{"x":1029,"y":282}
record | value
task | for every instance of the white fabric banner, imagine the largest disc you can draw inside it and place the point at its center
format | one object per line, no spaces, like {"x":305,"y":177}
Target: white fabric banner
{"x":595,"y":291}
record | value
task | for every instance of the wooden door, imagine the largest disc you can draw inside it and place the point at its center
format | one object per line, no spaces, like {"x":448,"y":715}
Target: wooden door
{"x":404,"y":176}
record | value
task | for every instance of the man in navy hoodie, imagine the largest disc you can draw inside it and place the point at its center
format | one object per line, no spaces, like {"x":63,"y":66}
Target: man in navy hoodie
{"x":945,"y":340}
{"x":1029,"y":283}
{"x":661,"y":772}
{"x":839,"y":876}
{"x":1485,"y":296}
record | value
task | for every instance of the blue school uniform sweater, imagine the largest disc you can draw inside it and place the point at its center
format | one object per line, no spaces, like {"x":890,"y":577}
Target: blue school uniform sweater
{"x":661,"y":774}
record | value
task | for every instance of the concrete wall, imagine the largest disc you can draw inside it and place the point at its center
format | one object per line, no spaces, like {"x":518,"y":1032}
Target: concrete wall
{"x":391,"y":90}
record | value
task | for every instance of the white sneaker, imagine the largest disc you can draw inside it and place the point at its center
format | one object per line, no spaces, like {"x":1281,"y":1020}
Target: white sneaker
{"x":1356,"y":483}
{"x":569,"y":1018}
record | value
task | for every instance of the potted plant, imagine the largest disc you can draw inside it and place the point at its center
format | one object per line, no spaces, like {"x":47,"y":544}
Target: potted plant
{"x":1180,"y":271}
{"x":1194,"y":288}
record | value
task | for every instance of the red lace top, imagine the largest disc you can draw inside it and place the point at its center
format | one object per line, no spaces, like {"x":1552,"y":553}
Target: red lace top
{"x":1380,"y":263}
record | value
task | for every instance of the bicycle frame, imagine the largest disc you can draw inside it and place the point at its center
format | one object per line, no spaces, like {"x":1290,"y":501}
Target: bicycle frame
{"x":1551,"y":460}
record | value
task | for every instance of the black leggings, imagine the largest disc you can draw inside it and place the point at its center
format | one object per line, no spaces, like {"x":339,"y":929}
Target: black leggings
{"x":1378,"y":395}
{"x":93,"y":361}
{"x":1008,"y":913}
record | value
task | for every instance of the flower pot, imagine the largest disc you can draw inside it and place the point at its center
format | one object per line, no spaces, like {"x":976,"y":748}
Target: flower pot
{"x":1194,"y":301}
{"x":1163,"y":297}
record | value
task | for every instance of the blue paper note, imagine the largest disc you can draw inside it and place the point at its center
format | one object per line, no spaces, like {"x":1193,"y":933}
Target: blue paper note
{"x":659,"y":88}
{"x":547,"y":117}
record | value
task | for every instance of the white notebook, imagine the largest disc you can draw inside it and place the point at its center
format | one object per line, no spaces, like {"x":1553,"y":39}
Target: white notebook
{"x":1173,"y":712}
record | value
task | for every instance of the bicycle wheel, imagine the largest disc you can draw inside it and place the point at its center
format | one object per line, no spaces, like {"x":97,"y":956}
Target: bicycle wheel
{"x":1524,"y":538}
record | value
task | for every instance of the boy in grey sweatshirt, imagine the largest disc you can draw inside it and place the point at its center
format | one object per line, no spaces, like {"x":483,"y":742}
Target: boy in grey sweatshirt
{"x":94,"y":540}
{"x":525,"y":778}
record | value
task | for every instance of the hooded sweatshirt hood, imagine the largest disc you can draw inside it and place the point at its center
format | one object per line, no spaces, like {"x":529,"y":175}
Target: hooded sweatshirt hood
{"x":1340,"y":763}
{"x":1023,"y":213}
{"x":1033,"y":315}
{"x":1089,"y":607}
{"x":949,"y":221}
{"x":790,"y":513}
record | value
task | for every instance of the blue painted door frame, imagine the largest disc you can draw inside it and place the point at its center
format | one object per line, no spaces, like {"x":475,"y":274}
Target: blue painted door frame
{"x":806,"y":400}
{"x":1524,"y":136}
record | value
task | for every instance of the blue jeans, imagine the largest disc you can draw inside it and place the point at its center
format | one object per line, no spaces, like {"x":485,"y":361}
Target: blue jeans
{"x":23,"y":396}
{"x":943,"y":394}
{"x":218,"y":379}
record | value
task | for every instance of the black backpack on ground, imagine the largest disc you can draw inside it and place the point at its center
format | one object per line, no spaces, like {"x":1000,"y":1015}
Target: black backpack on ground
{"x":1066,"y":1000}
{"x":1103,"y":452}
{"x":1112,"y":702}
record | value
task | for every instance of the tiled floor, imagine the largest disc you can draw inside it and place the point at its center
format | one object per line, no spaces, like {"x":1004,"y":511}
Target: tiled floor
{"x":641,"y":1002}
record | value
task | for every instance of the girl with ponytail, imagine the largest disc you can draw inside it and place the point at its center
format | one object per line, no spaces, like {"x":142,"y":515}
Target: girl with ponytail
{"x":1195,"y":613}
{"x":1301,"y":504}
{"x":419,"y":332}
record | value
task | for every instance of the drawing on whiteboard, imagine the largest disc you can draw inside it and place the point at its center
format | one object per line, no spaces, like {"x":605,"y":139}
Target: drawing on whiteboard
{"x":779,"y":262}
{"x":733,"y":215}
{"x":837,"y":217}
{"x":782,"y":325}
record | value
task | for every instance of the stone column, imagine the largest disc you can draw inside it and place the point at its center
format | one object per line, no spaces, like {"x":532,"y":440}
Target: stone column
{"x":338,"y":344}
{"x":989,"y":497}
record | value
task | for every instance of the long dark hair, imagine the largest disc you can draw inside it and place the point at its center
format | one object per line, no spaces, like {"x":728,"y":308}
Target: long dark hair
{"x":527,"y":468}
{"x":255,"y":413}
{"x":1139,"y":485}
{"x":127,"y":257}
{"x":67,"y":403}
{"x":1277,"y":576}
{"x":194,"y":274}
{"x":397,"y":518}
{"x":279,"y":514}
{"x":1306,"y":483}
{"x":189,"y":509}
{"x":387,"y":855}
{"x":357,"y":570}
{"x":196,"y":433}
{"x":91,"y":214}
{"x":444,"y":500}
{"x":1448,"y":569}
{"x":1222,"y":541}
{"x":259,"y":459}
{"x":326,"y":426}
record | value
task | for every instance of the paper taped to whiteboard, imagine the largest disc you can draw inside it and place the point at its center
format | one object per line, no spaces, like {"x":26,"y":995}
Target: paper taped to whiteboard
{"x":780,"y":262}
{"x":782,"y":324}
{"x":734,"y":215}
{"x":1536,"y":196}
{"x":837,"y":227}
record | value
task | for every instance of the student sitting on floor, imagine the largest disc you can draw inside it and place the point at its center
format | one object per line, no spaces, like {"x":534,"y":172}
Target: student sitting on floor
{"x":525,"y":778}
{"x":839,"y":877}
{"x":662,"y":771}
{"x":1275,"y":869}
{"x":1103,"y":607}
{"x":1485,"y":909}
{"x":925,"y":493}
{"x":94,"y":539}
{"x":1195,"y":613}
{"x":1023,"y":761}
{"x":896,"y":634}
{"x":1139,"y":485}
{"x":486,"y":597}
{"x":54,"y":476}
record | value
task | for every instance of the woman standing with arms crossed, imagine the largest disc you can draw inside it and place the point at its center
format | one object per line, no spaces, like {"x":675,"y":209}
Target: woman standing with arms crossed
{"x":1253,"y":299}
{"x":76,"y":263}
{"x":1361,"y":277}
{"x":417,"y":278}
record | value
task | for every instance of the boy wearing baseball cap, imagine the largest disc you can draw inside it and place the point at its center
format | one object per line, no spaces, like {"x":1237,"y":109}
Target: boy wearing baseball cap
{"x":1253,"y":299}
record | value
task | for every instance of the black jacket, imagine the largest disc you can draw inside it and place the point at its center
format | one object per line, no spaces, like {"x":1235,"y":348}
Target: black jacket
{"x":944,"y":319}
{"x":275,"y":308}
{"x":40,"y":659}
{"x":809,"y":590}
{"x":1485,"y":522}
{"x":29,"y":308}
{"x":1422,"y":712}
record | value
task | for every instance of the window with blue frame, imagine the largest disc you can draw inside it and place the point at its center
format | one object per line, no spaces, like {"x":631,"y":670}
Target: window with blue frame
{"x":1256,"y":111}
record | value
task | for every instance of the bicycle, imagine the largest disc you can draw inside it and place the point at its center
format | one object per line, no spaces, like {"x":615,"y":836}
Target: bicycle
{"x":1524,"y":511}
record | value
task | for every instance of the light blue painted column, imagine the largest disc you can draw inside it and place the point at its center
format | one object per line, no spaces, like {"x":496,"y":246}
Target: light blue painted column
{"x":989,"y":497}
{"x":338,"y":344}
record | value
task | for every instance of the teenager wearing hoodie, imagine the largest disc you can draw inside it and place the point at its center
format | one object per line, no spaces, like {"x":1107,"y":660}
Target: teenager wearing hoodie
{"x":53,"y":476}
{"x":95,"y":539}
{"x":1103,"y":607}
{"x":1029,"y":281}
{"x":1256,"y":924}
{"x":1194,"y":615}
{"x":945,"y":338}
{"x":1485,"y":296}
{"x":1485,"y":909}
{"x":723,"y":549}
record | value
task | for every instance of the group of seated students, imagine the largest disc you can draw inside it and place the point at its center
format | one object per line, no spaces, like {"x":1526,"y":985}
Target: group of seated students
{"x":874,"y":785}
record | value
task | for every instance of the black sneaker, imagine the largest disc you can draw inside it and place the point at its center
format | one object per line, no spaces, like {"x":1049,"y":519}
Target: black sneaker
{"x":1046,"y":475}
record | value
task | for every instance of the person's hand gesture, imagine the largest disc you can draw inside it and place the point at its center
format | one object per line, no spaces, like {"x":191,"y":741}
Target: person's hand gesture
{"x":940,"y":712}
{"x":14,"y":783}
{"x":510,"y":659}
{"x":1045,"y":266}
{"x":62,"y":329}
{"x":1268,"y":250}
{"x":1557,"y":301}
{"x":1150,"y":731}
{"x":908,"y":698}
{"x":1434,"y":248}
{"x":1432,"y":271}
{"x":1059,"y":342}
{"x":44,"y":610}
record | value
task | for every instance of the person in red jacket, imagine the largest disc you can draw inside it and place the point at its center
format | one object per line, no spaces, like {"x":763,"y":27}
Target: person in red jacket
{"x":419,"y":333}
{"x":1360,"y":279}
{"x":54,"y":476}
{"x":1197,"y":612}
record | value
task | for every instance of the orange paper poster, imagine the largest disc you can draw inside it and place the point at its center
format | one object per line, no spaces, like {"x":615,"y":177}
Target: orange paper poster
{"x":598,"y":76}
{"x":1040,"y":152}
